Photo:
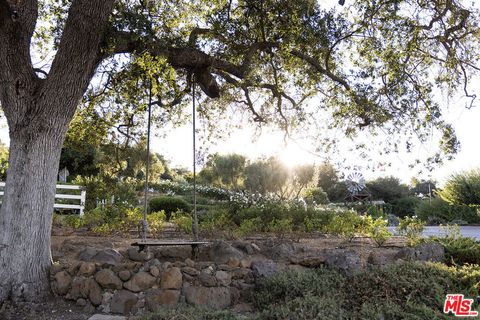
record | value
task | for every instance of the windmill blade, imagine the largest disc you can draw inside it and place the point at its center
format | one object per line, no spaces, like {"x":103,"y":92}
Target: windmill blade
{"x":355,"y":182}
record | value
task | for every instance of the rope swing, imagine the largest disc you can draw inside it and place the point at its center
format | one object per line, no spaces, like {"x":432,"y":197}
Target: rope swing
{"x":147,"y":164}
{"x":194,"y":126}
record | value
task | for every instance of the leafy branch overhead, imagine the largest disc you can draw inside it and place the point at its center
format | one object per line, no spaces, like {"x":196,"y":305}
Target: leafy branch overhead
{"x":369,"y":63}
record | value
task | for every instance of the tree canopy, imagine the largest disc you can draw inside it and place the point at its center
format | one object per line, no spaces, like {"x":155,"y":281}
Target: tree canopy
{"x":370,"y":66}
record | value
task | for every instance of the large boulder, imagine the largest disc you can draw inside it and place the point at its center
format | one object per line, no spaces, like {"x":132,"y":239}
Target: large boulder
{"x":311,"y":261}
{"x":213,"y":297}
{"x":63,"y":281}
{"x":107,"y":256}
{"x":190,"y":271}
{"x":431,"y":251}
{"x":123,"y":301}
{"x":344,"y":260}
{"x":94,"y":292}
{"x":207,"y":279}
{"x":220,"y":252}
{"x":382,"y":257}
{"x":140,"y":282}
{"x":87,"y":254}
{"x":79,"y":289}
{"x":135,"y":255}
{"x":124,"y":275}
{"x":157,"y":298}
{"x":264,"y":269}
{"x":244,"y":274}
{"x":244,"y":246}
{"x":282,"y":251}
{"x":108,"y":279}
{"x":173,"y":252}
{"x":171,"y":279}
{"x":223,"y":278}
{"x":86,"y":269}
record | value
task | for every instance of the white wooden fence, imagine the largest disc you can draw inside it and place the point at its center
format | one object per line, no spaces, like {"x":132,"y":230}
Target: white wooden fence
{"x":80,"y":198}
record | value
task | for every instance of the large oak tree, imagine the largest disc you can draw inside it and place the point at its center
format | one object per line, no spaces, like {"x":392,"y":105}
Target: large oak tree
{"x":371,"y":64}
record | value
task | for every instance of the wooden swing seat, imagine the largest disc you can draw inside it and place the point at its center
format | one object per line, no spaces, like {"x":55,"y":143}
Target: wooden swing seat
{"x":142,"y":245}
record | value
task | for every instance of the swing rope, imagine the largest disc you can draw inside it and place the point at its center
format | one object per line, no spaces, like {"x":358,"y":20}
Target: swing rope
{"x":147,"y":163}
{"x":194,"y":218}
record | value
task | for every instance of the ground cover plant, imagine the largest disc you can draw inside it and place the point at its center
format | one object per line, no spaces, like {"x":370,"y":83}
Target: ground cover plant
{"x":407,"y":290}
{"x":112,"y":220}
{"x":459,"y":250}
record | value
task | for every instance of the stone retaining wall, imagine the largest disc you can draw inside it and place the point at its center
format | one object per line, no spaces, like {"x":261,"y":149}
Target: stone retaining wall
{"x":131,"y":282}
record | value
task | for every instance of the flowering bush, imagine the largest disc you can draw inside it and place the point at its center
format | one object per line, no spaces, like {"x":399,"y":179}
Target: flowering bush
{"x":179,"y":188}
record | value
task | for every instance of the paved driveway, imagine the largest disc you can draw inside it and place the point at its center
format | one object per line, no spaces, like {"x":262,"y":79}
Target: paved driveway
{"x":466,"y":231}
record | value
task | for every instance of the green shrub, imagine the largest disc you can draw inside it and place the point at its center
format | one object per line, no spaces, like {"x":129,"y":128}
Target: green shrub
{"x":307,"y":307}
{"x":462,"y":188}
{"x":439,"y":211}
{"x":346,"y":225}
{"x":376,"y":211}
{"x":193,"y":313}
{"x":280,"y":227}
{"x":183,"y":222}
{"x":289,"y":285}
{"x":459,"y":250}
{"x":57,"y":220}
{"x":216,"y":222}
{"x":405,"y":206}
{"x":199,"y":199}
{"x":409,"y":290}
{"x":168,"y":204}
{"x":124,"y":194}
{"x":73,"y":221}
{"x":96,"y":188}
{"x":120,"y":221}
{"x":316,"y":196}
{"x":388,"y":310}
{"x":319,"y":220}
{"x":100,"y":188}
{"x":248,"y":227}
{"x":178,"y":188}
{"x":155,"y":222}
{"x":379,"y":232}
{"x":266,"y":211}
{"x":99,"y":215}
{"x":412,"y":228}
{"x":402,"y":284}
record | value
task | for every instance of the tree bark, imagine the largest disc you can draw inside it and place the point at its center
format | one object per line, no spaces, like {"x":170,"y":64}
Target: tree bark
{"x":38,"y":112}
{"x":26,"y":213}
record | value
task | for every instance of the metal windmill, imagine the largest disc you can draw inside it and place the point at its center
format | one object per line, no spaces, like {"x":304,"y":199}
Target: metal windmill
{"x":355,"y":182}
{"x":356,"y":186}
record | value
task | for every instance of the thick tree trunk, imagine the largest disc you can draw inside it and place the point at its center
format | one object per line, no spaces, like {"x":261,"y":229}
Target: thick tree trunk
{"x":38,"y":113}
{"x":26,"y":214}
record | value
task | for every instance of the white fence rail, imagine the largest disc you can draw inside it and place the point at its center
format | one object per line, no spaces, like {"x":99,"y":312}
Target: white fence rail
{"x":79,"y":197}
